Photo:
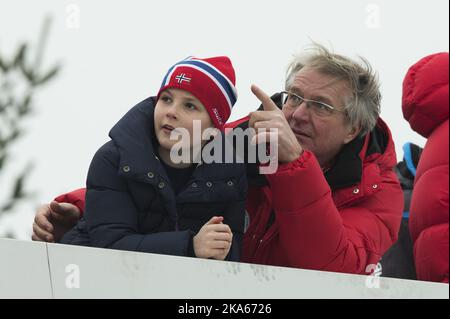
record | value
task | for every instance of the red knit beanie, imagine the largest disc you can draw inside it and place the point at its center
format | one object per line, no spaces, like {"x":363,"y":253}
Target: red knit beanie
{"x":212,"y":81}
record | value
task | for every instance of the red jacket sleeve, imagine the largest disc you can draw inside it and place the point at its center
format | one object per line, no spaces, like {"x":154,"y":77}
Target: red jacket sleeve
{"x":318,"y":235}
{"x":76,"y":197}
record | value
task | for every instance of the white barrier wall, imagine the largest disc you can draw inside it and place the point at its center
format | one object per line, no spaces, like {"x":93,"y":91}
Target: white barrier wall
{"x":24,"y":271}
{"x":39,"y":270}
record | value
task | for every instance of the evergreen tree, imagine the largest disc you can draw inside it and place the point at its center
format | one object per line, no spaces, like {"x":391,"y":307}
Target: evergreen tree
{"x":20,"y":79}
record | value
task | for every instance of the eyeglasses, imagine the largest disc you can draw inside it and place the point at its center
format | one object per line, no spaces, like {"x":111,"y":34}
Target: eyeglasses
{"x":319,"y":108}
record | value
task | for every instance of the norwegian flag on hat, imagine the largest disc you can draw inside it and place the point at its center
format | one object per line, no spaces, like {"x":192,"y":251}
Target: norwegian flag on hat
{"x":182,"y":77}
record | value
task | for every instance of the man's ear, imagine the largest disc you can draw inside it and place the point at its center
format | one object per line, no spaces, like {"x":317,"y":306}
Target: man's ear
{"x":354,"y":131}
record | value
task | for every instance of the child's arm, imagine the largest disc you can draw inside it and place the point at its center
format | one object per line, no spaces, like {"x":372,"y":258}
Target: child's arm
{"x":111,"y":216}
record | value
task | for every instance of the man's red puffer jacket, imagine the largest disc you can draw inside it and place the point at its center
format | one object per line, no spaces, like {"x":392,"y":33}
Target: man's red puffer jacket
{"x":426,"y":107}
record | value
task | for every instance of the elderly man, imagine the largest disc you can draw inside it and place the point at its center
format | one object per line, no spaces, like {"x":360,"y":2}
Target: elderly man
{"x":334,"y":203}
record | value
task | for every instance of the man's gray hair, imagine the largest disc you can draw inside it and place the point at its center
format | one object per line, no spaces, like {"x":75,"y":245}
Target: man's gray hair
{"x":363,"y":109}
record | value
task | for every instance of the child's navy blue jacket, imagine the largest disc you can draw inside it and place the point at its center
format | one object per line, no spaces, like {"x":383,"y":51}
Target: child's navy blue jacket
{"x":131,"y":205}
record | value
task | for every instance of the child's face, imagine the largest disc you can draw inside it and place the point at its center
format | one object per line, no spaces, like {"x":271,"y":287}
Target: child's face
{"x":178,"y":109}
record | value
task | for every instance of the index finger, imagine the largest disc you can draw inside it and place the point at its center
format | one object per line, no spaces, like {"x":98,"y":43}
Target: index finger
{"x":265,"y":99}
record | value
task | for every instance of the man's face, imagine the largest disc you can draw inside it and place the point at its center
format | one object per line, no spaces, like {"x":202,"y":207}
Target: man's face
{"x":178,"y":109}
{"x":322,"y":135}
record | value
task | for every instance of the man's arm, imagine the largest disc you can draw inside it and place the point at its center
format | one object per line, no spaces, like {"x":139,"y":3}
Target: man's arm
{"x":76,"y":197}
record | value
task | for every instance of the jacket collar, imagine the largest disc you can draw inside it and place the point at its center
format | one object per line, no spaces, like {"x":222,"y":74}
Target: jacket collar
{"x":350,"y":162}
{"x":348,"y":167}
{"x":134,"y":136}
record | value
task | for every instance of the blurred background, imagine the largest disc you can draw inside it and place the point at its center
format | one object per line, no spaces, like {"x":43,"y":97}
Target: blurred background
{"x":70,"y":69}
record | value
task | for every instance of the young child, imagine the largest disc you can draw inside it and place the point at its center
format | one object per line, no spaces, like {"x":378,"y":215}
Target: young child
{"x":139,"y":199}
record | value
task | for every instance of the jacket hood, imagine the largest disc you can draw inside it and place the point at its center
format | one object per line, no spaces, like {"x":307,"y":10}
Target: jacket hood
{"x":425,"y":93}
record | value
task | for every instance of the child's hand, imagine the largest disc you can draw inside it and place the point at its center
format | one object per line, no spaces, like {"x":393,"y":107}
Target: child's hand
{"x":213,"y":240}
